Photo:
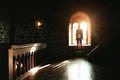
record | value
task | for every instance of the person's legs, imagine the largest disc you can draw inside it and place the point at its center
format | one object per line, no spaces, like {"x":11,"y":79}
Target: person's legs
{"x":77,"y":41}
{"x":81,"y":42}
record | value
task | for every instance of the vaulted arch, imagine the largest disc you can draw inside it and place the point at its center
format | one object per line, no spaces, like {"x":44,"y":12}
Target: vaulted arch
{"x":84,"y":20}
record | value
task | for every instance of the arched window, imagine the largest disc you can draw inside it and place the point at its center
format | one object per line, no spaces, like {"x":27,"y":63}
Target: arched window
{"x":80,"y":19}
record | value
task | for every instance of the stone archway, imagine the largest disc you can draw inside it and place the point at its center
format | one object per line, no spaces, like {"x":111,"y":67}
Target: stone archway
{"x":80,"y":18}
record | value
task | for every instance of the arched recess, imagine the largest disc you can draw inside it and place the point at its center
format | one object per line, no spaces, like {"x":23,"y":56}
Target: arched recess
{"x":80,"y":18}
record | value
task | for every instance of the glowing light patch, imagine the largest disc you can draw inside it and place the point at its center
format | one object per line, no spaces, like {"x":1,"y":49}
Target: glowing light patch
{"x":75,"y":24}
{"x":61,"y":64}
{"x":15,"y":66}
{"x":79,"y":70}
{"x":35,"y":69}
{"x":33,"y":48}
{"x":39,"y":24}
{"x":83,"y":25}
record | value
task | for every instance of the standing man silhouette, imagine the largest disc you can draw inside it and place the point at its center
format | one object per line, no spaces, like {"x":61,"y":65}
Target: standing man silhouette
{"x":79,"y":36}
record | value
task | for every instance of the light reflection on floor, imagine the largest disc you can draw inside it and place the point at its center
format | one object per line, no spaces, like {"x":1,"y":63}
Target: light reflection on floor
{"x":79,"y":69}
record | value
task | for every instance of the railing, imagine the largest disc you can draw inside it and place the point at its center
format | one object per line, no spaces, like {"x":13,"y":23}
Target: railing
{"x":21,"y":58}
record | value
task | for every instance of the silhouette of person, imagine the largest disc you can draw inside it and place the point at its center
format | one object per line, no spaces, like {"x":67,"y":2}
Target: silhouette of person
{"x":79,"y":36}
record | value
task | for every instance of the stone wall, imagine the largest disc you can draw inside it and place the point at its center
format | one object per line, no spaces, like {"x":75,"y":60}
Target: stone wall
{"x":4,"y":32}
{"x":4,"y":25}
